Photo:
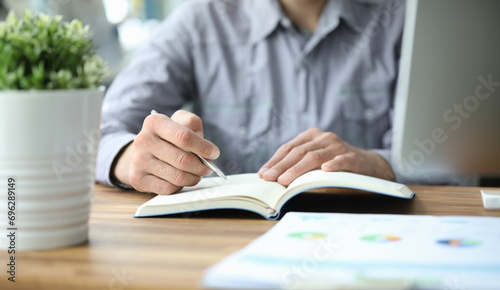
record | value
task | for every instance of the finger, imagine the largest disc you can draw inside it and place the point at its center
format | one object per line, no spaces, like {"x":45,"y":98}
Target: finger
{"x":292,"y":158}
{"x":311,"y":160}
{"x":342,"y":162}
{"x":149,"y":146}
{"x":285,"y":149}
{"x":171,"y":174}
{"x":189,"y":120}
{"x":169,"y":178}
{"x":181,"y":136}
{"x":178,"y":158}
{"x":281,"y":153}
{"x":152,"y":183}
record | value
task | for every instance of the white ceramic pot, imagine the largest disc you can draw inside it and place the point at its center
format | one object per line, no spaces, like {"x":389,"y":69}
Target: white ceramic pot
{"x":48,"y":146}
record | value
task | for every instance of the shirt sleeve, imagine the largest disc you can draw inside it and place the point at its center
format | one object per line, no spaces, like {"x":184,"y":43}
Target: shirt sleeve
{"x":159,"y":77}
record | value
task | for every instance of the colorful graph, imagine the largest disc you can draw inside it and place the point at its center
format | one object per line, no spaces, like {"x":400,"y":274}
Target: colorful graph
{"x":459,"y":242}
{"x":307,"y":235}
{"x":381,"y":238}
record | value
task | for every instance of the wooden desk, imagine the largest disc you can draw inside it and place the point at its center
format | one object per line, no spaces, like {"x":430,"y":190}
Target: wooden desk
{"x":172,"y":252}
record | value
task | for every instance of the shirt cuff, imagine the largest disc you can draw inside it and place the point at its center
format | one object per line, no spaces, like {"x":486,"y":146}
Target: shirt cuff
{"x":109,"y":147}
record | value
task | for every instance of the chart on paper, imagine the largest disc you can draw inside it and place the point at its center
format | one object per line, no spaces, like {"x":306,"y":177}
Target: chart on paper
{"x":325,"y":249}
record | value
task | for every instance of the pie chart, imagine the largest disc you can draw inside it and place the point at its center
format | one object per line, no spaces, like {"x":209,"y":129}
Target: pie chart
{"x":307,"y":235}
{"x":459,"y":242}
{"x":381,"y":238}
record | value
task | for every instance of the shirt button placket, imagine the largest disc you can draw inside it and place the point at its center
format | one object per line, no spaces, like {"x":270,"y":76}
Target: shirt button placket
{"x":302,"y":94}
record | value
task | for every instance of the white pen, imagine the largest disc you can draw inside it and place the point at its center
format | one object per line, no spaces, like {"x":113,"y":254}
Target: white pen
{"x":209,"y":163}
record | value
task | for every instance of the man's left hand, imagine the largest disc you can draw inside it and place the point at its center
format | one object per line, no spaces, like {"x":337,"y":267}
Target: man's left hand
{"x":315,"y":149}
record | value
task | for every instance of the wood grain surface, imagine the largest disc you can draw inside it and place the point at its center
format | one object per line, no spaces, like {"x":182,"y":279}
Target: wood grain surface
{"x":172,"y":252}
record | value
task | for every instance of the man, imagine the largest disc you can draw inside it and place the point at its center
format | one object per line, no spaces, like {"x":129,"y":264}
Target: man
{"x":281,"y":87}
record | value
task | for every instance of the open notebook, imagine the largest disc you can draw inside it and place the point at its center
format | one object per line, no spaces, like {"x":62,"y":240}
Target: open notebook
{"x":249,"y":192}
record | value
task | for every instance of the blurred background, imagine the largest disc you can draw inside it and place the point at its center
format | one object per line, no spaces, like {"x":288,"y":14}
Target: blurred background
{"x":118,"y":26}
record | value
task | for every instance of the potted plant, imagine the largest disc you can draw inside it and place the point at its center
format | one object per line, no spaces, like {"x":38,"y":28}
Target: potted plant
{"x":51,"y":99}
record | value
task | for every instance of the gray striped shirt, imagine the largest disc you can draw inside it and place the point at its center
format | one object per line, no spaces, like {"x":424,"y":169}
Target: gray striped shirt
{"x":257,"y":80}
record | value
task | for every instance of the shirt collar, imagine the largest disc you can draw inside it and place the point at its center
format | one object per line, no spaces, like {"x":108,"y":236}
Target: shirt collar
{"x":358,"y":13}
{"x":330,"y":16}
{"x":266,"y":15}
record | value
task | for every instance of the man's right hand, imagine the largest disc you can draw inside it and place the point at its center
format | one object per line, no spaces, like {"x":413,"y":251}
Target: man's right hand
{"x":158,"y":159}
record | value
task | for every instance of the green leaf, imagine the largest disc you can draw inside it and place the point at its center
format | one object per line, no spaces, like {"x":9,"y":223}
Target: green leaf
{"x":39,"y":51}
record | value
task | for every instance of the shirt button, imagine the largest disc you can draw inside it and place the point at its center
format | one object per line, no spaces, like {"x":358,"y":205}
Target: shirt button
{"x":243,"y":131}
{"x":369,"y":114}
{"x":304,"y":118}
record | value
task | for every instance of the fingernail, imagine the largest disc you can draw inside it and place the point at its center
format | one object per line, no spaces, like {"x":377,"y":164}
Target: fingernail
{"x":326,"y":166}
{"x":271,"y":174}
{"x":285,"y":178}
{"x":262,"y":171}
{"x":215,"y":154}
